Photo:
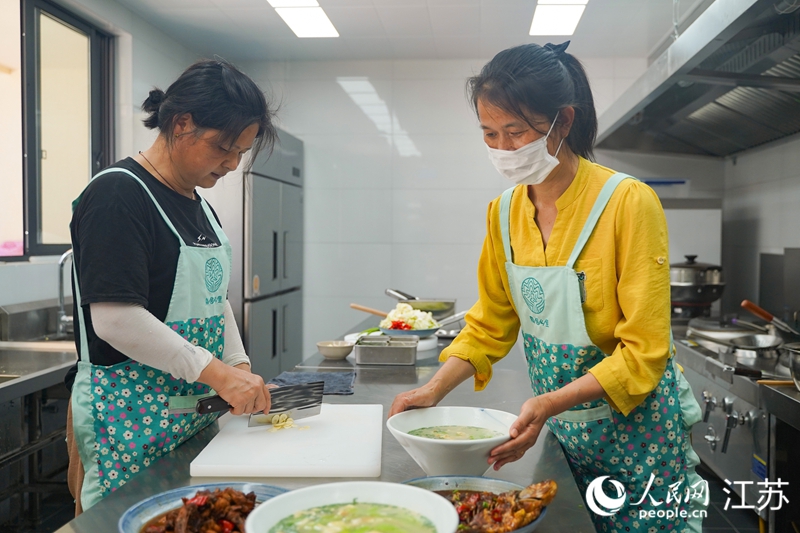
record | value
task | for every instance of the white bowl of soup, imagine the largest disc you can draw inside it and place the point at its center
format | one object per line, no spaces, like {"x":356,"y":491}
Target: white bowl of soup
{"x":354,"y":505}
{"x":451,"y":440}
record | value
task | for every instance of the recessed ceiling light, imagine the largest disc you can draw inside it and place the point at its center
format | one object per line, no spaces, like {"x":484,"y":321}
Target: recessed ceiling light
{"x":307,"y":21}
{"x":563,"y":2}
{"x":556,"y":19}
{"x":293,"y":3}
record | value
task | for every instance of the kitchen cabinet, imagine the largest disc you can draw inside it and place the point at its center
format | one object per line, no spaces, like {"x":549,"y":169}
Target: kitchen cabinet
{"x":275,"y":337}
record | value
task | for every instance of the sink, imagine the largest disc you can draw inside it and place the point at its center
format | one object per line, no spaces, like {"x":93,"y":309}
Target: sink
{"x":23,"y":372}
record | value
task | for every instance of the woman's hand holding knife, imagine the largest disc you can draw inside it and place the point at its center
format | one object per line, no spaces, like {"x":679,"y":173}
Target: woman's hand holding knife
{"x":244,"y":391}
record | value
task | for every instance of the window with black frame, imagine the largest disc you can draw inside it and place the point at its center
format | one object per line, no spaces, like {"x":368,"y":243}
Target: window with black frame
{"x":67,"y":118}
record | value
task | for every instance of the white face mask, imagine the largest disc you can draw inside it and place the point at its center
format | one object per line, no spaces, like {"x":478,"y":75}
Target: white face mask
{"x":528,"y":165}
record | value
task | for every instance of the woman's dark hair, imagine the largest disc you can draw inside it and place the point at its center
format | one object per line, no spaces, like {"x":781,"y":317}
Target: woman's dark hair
{"x":537,"y":79}
{"x":218,"y":96}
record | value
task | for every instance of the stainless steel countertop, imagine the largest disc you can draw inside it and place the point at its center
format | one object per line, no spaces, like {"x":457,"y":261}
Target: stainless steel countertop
{"x":781,"y":401}
{"x":26,"y":368}
{"x":509,"y":388}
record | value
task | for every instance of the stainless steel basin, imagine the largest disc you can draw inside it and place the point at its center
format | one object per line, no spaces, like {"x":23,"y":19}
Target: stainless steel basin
{"x":24,"y":371}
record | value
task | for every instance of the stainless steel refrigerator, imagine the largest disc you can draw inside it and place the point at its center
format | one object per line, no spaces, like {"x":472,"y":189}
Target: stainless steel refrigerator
{"x":272,"y":281}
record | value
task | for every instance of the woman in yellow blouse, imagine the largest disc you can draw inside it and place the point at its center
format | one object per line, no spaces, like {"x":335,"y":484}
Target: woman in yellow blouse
{"x":575,"y":258}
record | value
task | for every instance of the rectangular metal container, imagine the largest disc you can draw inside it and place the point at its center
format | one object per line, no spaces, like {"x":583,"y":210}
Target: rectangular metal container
{"x":386,"y":350}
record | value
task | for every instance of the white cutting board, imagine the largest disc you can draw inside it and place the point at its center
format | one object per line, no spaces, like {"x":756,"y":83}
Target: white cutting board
{"x":342,"y":441}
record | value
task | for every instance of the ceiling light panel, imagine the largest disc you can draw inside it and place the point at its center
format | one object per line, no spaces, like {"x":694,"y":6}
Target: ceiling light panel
{"x":293,"y":3}
{"x":556,"y":19}
{"x":307,"y":21}
{"x":563,"y":2}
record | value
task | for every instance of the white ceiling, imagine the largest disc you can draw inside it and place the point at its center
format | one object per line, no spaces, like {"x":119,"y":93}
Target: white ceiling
{"x":405,"y":29}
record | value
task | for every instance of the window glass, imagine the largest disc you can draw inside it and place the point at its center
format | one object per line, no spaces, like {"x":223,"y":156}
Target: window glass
{"x":64,"y":124}
{"x":11,"y":174}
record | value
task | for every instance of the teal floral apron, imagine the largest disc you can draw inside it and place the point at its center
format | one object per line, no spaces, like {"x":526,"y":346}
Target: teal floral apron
{"x":121,"y":418}
{"x":598,"y":441}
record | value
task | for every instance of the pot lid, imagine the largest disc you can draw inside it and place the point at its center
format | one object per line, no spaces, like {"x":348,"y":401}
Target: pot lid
{"x":690,"y":263}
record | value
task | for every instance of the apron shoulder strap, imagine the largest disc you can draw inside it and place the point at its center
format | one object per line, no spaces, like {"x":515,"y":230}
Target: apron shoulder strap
{"x":212,"y":220}
{"x":597,"y":210}
{"x":505,"y":215}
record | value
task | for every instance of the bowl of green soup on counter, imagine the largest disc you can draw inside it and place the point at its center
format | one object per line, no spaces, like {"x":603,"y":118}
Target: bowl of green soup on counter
{"x":451,"y":440}
{"x":355,"y":506}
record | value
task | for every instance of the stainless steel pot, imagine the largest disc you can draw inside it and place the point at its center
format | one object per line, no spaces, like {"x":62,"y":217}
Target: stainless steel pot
{"x":748,"y":346}
{"x":695,"y":283}
{"x":438,"y":308}
{"x":793,"y":349}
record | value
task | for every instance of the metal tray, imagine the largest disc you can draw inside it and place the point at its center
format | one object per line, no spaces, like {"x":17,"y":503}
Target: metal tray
{"x":386,"y":350}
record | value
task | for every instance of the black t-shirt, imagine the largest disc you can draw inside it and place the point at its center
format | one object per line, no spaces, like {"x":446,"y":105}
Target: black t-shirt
{"x":125,"y":252}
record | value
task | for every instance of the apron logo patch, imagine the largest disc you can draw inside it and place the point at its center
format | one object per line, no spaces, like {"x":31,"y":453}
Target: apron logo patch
{"x":533,"y":293}
{"x":213,"y":274}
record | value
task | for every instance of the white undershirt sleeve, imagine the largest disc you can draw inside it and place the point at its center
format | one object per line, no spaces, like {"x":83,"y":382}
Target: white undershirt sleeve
{"x":135,"y":332}
{"x":233,"y":354}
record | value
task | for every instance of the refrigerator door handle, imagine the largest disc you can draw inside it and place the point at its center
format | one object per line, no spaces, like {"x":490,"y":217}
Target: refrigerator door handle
{"x":283,"y":328}
{"x":274,"y":255}
{"x":274,"y":333}
{"x":285,"y":234}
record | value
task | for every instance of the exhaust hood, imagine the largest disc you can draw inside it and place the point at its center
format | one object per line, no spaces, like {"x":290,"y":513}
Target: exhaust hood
{"x":730,"y":82}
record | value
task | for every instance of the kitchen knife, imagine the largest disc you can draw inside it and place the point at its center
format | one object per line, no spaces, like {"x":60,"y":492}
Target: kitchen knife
{"x":295,"y":401}
{"x":201,"y":404}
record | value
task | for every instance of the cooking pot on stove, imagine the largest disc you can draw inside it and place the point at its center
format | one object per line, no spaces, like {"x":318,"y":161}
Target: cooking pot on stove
{"x":695,"y":283}
{"x":793,"y":349}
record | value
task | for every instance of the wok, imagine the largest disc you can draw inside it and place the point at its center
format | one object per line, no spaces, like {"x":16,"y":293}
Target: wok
{"x":764,"y":346}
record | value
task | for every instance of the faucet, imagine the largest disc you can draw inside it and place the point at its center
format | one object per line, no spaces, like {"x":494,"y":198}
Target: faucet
{"x":65,"y":323}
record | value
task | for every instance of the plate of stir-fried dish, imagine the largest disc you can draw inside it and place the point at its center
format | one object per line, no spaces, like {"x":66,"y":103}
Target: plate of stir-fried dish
{"x":487,"y":505}
{"x":213,"y":507}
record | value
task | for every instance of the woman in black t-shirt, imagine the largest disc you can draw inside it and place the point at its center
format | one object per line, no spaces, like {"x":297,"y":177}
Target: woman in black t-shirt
{"x":151,"y":269}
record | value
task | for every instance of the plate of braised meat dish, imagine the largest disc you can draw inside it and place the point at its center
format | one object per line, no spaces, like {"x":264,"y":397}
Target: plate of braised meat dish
{"x":486,"y":505}
{"x":209,"y":508}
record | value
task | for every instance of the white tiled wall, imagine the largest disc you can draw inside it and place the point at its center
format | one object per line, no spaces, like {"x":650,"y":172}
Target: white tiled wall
{"x":376,"y":219}
{"x":761,"y":214}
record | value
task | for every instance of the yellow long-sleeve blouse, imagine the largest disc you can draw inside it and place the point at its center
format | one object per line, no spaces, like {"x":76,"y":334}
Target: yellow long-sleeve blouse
{"x":627,"y":310}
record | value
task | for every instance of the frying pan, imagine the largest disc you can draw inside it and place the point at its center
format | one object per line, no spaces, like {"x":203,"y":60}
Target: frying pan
{"x":764,"y":346}
{"x":769,"y":317}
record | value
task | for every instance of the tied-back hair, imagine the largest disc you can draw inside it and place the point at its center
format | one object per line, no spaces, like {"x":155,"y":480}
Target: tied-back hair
{"x":218,"y":96}
{"x":530,"y":79}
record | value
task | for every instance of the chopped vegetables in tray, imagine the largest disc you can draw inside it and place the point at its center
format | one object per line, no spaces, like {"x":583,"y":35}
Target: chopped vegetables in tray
{"x":406,"y":317}
{"x":221,"y":511}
